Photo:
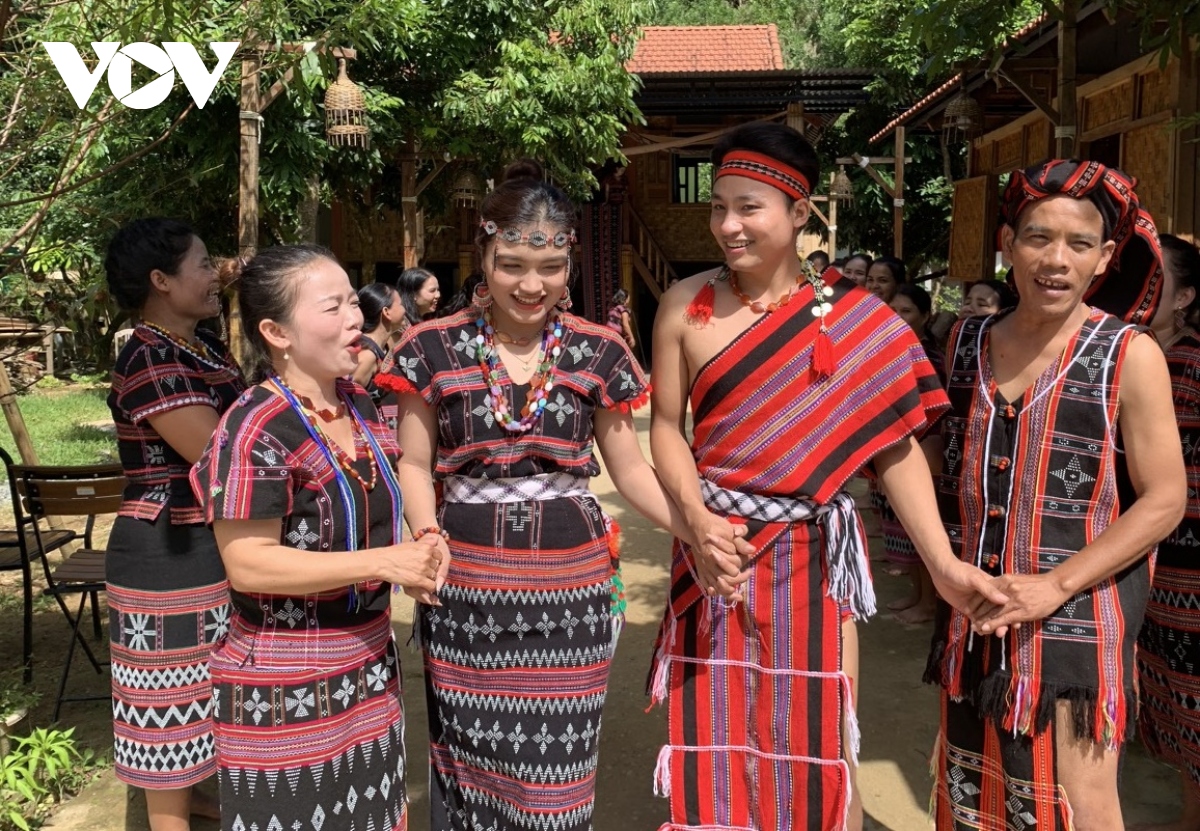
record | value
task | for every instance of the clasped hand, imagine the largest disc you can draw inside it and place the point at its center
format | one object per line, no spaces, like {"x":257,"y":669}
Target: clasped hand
{"x":420,"y":567}
{"x":721,"y":554}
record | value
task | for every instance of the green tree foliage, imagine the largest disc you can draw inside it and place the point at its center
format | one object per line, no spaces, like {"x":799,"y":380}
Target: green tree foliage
{"x":485,"y":80}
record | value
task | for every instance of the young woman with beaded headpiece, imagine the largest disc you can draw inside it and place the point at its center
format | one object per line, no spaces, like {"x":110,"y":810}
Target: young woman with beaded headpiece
{"x":503,"y":404}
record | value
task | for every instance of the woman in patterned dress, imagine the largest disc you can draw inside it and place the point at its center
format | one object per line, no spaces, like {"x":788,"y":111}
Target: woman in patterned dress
{"x":383,"y":316}
{"x":914,"y":306}
{"x":503,"y":404}
{"x":298,"y":482}
{"x":1169,"y":646}
{"x":167,"y":596}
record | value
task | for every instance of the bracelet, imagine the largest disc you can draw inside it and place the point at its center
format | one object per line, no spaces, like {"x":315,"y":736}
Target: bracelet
{"x":431,"y":529}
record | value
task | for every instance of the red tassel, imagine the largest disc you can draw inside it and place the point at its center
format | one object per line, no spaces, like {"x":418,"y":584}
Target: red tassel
{"x":394,"y":383}
{"x":636,"y":403}
{"x":700,"y":310}
{"x":822,"y":356}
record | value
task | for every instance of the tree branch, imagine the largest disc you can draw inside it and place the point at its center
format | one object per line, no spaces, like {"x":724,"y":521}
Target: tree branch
{"x":113,"y":168}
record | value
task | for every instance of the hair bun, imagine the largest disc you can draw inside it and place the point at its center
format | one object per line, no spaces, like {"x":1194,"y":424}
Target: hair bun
{"x":523,"y":169}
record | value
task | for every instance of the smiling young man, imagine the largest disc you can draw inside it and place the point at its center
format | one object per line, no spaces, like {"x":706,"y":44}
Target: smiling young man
{"x":796,"y":381}
{"x":1062,"y":470}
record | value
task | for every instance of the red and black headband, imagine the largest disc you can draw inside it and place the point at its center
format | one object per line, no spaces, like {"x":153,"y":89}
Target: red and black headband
{"x":1131,"y":287}
{"x":765,"y":169}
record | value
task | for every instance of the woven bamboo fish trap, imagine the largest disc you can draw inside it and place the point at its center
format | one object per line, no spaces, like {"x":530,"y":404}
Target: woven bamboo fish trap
{"x":345,"y":112}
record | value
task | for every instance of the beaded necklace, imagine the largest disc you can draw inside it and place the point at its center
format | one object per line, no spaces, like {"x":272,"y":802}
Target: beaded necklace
{"x":197,"y":348}
{"x":327,"y":416}
{"x":341,"y":456}
{"x":343,"y":484}
{"x":539,"y":386}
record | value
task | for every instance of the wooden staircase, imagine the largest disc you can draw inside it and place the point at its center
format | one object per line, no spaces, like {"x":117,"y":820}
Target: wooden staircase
{"x":641,"y":254}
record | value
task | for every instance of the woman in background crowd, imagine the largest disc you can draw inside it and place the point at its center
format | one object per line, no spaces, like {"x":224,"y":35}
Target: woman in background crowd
{"x":383,"y":315}
{"x":167,"y":596}
{"x":420,"y":293}
{"x":1169,"y":645}
{"x":885,"y":275}
{"x":856,"y":267}
{"x":987,"y":297}
{"x":914,"y":306}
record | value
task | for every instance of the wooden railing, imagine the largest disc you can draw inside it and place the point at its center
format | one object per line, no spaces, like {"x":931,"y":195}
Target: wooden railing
{"x":643,"y":253}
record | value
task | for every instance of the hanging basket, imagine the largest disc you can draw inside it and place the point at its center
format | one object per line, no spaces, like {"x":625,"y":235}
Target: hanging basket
{"x":841,"y":188}
{"x":467,"y":188}
{"x":345,"y":112}
{"x":963,"y":118}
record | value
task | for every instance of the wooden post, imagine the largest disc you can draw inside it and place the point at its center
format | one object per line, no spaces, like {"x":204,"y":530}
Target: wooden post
{"x":833,"y":211}
{"x":1065,"y":132}
{"x":16,"y":421}
{"x":898,"y":200}
{"x":408,"y":207}
{"x":250,"y":119}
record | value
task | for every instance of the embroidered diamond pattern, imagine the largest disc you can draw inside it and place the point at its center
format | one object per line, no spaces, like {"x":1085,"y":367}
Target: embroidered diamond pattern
{"x":561,"y":408}
{"x":377,"y":678}
{"x":476,"y":733}
{"x":1095,"y":363}
{"x":494,"y":735}
{"x":351,"y":799}
{"x":569,"y":622}
{"x":520,"y":627}
{"x":485,"y":413}
{"x":569,"y":737}
{"x":542,"y":738}
{"x":155,"y":454}
{"x":301,"y":537}
{"x":591,"y":619}
{"x":345,"y":692}
{"x":517,"y":737}
{"x":1072,"y":476}
{"x":256,"y":707}
{"x":465,"y":345}
{"x":546,"y":625}
{"x":299,"y":702}
{"x":409,"y":364}
{"x":290,"y":614}
{"x":588,"y":734}
{"x":583,"y":350}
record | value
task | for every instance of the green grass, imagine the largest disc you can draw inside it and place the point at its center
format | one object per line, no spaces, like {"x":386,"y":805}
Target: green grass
{"x":57,"y":421}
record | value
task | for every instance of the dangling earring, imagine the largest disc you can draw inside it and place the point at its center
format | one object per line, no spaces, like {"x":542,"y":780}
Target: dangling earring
{"x":481,"y":297}
{"x":564,"y":303}
{"x":285,"y":355}
{"x":1180,"y":318}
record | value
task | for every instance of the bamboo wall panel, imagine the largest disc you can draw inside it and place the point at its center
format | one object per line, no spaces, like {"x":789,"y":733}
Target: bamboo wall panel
{"x":971,"y":249}
{"x":1107,"y":106}
{"x":1009,"y":152}
{"x":1038,"y":142}
{"x":1146,"y":155}
{"x":1154,"y":93}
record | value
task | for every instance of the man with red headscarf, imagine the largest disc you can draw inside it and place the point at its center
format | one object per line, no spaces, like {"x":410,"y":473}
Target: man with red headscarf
{"x":1062,"y":471}
{"x":796,"y":381}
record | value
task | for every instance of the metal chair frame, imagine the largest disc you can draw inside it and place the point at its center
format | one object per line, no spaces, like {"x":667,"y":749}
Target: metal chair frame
{"x":41,"y":492}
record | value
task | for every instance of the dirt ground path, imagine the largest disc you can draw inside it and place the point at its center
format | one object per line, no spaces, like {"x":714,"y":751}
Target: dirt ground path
{"x":898,"y":714}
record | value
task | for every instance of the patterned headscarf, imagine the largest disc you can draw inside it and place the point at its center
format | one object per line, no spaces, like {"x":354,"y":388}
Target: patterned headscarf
{"x":1131,"y":287}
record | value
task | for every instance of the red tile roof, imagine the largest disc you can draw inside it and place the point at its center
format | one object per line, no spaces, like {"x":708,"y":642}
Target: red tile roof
{"x":675,"y":49}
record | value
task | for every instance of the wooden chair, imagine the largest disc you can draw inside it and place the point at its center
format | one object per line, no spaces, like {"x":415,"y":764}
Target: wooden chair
{"x":70,"y":492}
{"x":18,"y":549}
